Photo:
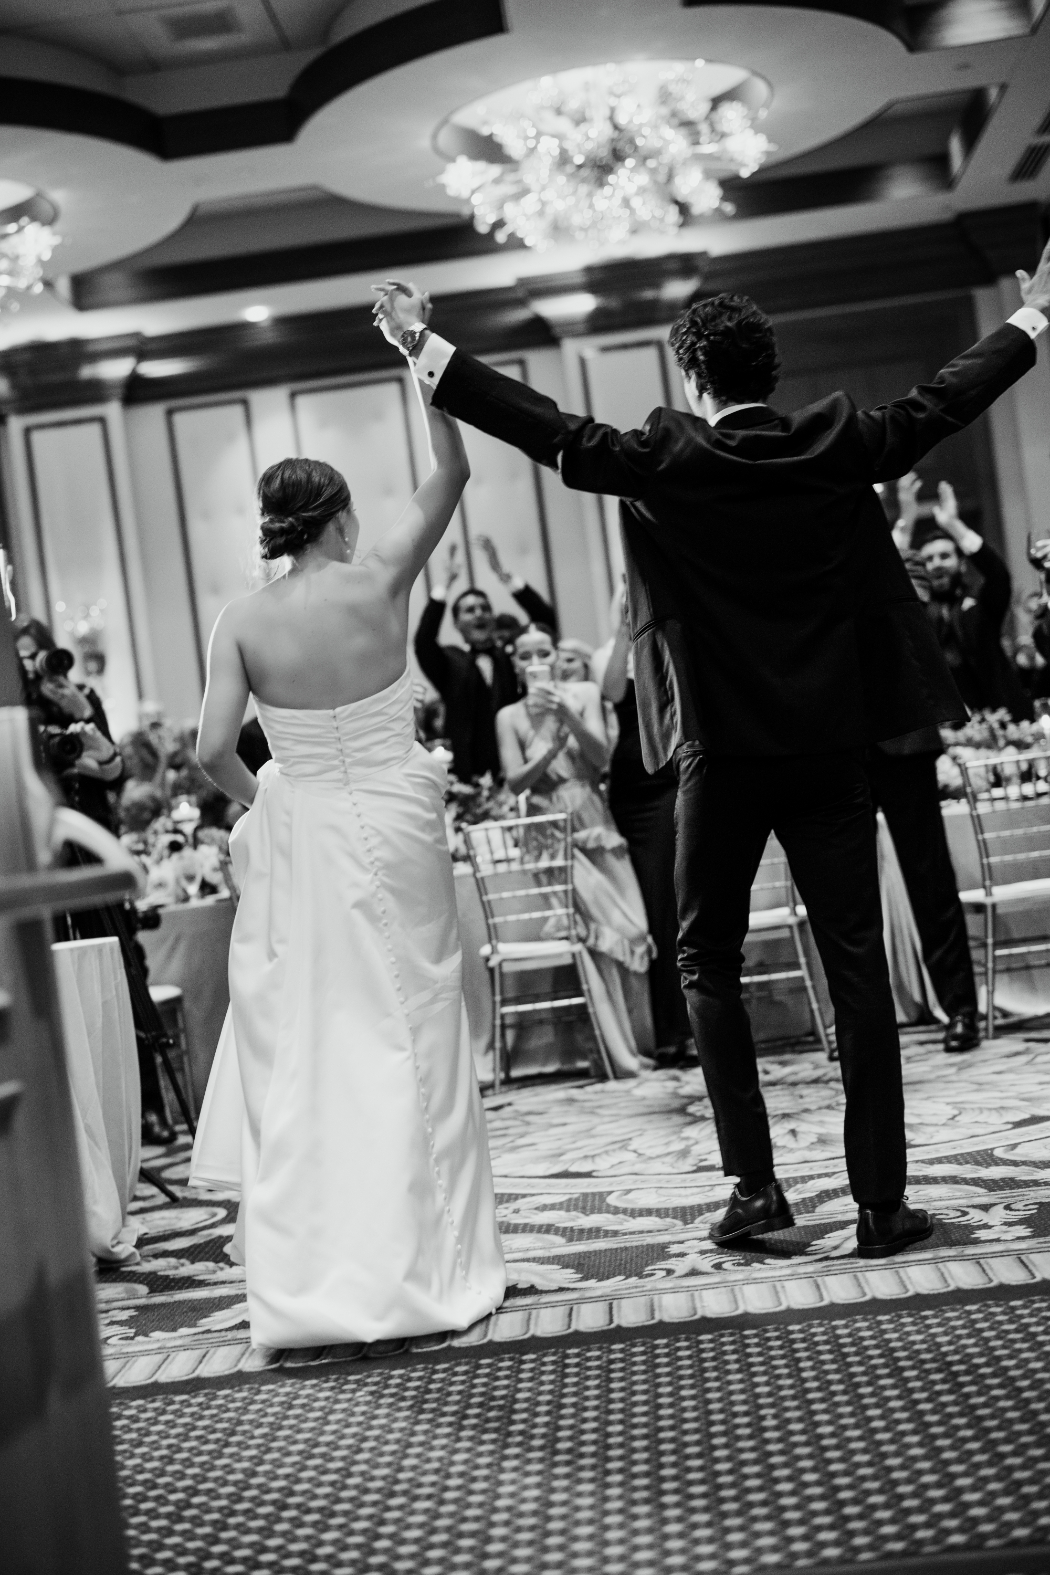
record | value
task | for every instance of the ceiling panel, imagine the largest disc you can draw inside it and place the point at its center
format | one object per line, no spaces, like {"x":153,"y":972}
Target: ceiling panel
{"x":188,"y":34}
{"x":101,"y":35}
{"x":306,"y":23}
{"x":21,"y":15}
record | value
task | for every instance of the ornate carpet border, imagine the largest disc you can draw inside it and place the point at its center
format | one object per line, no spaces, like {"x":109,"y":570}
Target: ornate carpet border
{"x":220,"y":1357}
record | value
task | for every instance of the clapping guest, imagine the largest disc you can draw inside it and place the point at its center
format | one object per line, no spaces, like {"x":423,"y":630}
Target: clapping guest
{"x":902,"y":773}
{"x":642,"y":805}
{"x":968,"y":622}
{"x":554,"y":747}
{"x":477,"y":682}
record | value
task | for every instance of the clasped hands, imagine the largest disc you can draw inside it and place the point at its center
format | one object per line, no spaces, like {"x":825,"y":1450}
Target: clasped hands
{"x":400,"y":306}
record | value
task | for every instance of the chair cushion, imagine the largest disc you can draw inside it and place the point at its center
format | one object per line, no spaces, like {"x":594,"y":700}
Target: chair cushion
{"x":162,"y":994}
{"x":775,"y":918}
{"x":541,"y":952}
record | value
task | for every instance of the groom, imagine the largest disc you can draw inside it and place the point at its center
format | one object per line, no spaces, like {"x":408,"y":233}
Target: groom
{"x":776,"y":635}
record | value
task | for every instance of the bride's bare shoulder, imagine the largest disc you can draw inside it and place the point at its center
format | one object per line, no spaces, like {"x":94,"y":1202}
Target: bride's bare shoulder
{"x":241,"y":612}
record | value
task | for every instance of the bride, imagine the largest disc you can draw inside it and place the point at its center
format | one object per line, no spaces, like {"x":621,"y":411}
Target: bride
{"x":343,"y":1101}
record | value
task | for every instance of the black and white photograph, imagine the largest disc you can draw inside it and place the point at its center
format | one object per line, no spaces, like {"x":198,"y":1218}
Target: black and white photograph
{"x":524,"y":787}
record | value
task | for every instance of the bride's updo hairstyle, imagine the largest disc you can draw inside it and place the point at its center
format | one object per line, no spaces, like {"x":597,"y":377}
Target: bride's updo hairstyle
{"x":297,"y":498}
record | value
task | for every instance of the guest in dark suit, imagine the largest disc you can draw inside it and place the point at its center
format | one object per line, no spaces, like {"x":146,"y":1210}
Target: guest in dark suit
{"x":968,"y":619}
{"x":477,"y":682}
{"x":776,"y":635}
{"x":902,"y":774}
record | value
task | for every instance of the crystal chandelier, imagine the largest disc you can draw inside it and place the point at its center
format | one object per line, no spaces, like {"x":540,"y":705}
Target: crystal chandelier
{"x":605,"y":152}
{"x":26,"y":242}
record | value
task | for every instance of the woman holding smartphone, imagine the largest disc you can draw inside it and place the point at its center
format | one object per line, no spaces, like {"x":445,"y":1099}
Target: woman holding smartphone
{"x":553,"y":746}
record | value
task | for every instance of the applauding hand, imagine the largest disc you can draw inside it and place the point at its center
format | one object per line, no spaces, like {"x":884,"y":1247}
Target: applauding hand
{"x":488,"y":547}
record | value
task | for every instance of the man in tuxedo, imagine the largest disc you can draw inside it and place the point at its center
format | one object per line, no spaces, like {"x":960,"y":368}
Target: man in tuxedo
{"x":480,"y":680}
{"x":776,"y":635}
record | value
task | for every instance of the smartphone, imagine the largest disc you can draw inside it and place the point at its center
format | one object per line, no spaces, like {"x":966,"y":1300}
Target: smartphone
{"x":537,"y":673}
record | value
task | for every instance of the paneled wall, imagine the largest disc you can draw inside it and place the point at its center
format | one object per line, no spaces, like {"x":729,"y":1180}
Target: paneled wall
{"x":82,"y":571}
{"x":152,"y":508}
{"x":214,"y":469}
{"x":193,"y":468}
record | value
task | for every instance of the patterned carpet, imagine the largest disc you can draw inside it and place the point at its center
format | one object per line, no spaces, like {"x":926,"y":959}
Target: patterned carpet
{"x":643,"y":1404}
{"x":909,"y":1440}
{"x":606,"y":1192}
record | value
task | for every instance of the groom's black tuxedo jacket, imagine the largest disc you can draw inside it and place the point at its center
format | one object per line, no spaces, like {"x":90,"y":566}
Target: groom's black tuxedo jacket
{"x":770,"y":611}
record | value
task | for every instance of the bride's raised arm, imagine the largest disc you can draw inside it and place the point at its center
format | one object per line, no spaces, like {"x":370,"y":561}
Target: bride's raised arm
{"x":405,"y":547}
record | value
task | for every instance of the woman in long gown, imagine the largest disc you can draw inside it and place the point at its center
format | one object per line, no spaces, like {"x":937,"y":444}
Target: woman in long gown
{"x":343,"y":1100}
{"x":553,"y":745}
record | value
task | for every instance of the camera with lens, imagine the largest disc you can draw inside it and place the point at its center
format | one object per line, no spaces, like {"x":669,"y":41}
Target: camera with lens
{"x":56,"y":663}
{"x":62,"y":748}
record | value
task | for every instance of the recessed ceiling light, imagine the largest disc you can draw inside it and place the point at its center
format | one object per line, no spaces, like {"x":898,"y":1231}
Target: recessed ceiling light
{"x":255,"y":314}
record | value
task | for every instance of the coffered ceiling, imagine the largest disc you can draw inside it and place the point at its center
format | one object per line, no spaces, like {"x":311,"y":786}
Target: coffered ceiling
{"x":210,"y":153}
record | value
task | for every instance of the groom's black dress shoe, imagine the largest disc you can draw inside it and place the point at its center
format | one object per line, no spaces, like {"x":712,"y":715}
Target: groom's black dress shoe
{"x":962,"y":1033}
{"x":879,"y":1235}
{"x":764,"y":1211}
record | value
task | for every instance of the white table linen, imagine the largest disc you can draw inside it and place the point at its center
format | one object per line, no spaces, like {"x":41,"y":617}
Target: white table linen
{"x":103,"y":1071}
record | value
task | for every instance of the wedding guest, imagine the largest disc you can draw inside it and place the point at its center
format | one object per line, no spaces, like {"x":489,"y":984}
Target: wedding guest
{"x":553,"y":746}
{"x":902,"y":774}
{"x":77,"y":711}
{"x":573,"y":662}
{"x":476,"y":682}
{"x":642,"y":805}
{"x":968,"y":623}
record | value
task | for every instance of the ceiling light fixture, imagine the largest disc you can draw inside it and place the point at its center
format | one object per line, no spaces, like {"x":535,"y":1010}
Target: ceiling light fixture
{"x":256,"y":314}
{"x":27,"y":241}
{"x":605,"y":152}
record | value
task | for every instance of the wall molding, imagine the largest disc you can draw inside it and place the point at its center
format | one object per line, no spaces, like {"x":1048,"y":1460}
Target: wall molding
{"x":971,"y":250}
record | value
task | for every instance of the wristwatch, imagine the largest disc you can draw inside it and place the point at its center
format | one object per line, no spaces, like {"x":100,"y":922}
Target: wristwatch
{"x":409,"y":338}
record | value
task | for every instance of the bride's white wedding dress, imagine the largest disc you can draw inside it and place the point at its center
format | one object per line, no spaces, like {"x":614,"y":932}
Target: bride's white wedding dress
{"x":343,"y":1100}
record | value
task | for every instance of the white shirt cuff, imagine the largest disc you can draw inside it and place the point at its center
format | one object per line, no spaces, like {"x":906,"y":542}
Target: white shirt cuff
{"x":1029,"y":319}
{"x":970,"y":542}
{"x":432,"y":361}
{"x":439,"y":593}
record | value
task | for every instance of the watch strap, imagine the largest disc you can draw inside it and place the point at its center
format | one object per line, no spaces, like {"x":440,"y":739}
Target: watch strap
{"x":409,"y":337}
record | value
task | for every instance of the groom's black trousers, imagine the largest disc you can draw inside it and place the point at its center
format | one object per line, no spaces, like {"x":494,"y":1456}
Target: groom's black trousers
{"x":819,"y":806}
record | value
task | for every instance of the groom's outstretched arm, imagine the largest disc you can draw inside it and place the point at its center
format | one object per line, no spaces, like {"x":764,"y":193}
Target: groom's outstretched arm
{"x":895,"y":436}
{"x":591,"y":457}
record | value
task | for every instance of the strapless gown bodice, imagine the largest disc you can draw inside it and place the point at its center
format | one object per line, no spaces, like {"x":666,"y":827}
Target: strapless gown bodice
{"x":345,"y":744}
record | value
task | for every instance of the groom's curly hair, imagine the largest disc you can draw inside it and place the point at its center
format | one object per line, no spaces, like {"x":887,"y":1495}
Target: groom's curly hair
{"x":729,"y":345}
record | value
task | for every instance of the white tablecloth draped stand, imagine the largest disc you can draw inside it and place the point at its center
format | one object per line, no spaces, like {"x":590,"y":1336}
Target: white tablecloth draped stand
{"x":104,"y":1079}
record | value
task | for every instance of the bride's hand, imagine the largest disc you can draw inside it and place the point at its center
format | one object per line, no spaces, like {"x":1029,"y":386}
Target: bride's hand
{"x":399,"y":307}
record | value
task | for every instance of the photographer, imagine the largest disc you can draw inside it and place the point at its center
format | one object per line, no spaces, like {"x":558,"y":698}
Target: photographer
{"x":76,"y":739}
{"x":78,"y":747}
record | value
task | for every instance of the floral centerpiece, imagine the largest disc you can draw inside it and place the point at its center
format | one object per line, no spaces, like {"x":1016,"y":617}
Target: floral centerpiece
{"x":992,"y":735}
{"x":470,"y":804}
{"x":171,"y":817}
